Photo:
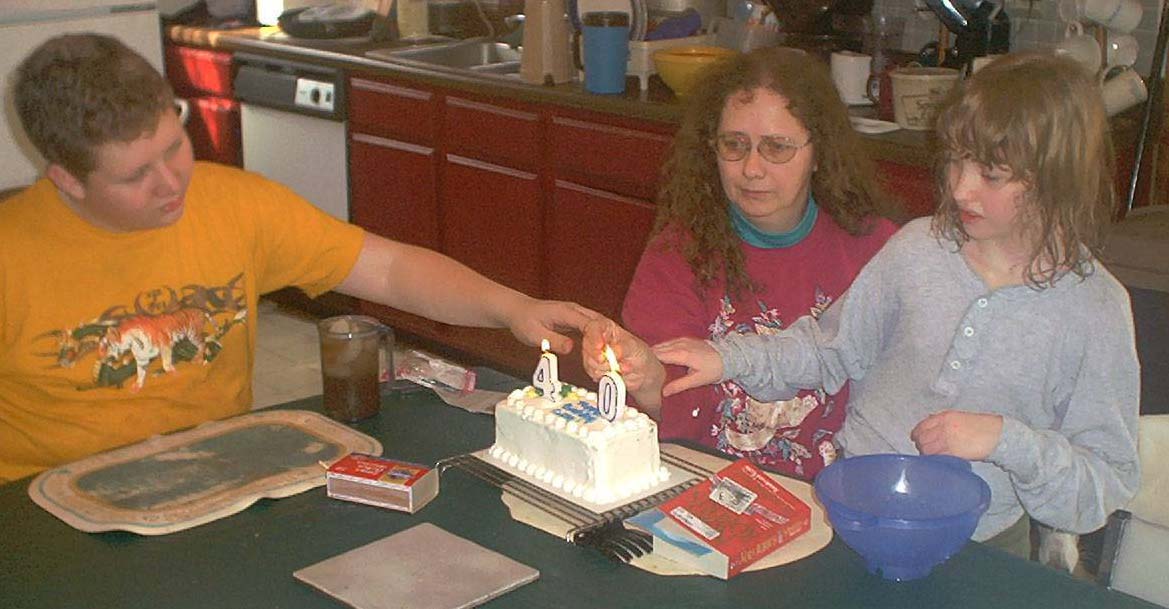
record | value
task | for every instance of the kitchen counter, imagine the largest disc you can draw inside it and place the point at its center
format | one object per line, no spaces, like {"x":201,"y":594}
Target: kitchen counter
{"x":657,"y":103}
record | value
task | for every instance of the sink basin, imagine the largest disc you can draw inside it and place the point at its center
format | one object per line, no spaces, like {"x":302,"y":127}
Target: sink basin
{"x":476,"y":55}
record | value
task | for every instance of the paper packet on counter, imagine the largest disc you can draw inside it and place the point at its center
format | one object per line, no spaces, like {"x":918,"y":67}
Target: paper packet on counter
{"x":433,"y":372}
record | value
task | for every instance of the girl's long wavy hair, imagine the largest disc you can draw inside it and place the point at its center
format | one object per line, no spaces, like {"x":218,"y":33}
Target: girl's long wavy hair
{"x":1042,"y":117}
{"x":691,"y":199}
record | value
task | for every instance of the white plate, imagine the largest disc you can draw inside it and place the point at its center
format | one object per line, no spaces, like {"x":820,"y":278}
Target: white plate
{"x":872,"y":126}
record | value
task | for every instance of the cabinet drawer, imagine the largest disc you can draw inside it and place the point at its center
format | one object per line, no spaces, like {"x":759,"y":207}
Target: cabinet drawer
{"x":617,"y":159}
{"x":492,"y":133}
{"x":392,"y":188}
{"x":391,"y":110}
{"x":597,"y":240}
{"x":214,"y":129}
{"x":911,"y":185}
{"x":193,"y":72}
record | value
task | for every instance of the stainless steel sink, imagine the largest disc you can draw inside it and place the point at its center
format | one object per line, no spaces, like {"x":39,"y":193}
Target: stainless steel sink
{"x":476,"y":55}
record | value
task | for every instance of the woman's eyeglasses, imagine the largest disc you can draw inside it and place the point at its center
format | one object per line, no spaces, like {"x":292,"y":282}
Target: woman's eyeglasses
{"x":774,"y":149}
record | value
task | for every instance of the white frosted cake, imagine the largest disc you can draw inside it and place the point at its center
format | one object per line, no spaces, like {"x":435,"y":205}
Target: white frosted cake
{"x":566,"y":444}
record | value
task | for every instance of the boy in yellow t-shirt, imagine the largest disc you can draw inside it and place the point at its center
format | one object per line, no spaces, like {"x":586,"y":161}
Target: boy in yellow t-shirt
{"x":130,"y":273}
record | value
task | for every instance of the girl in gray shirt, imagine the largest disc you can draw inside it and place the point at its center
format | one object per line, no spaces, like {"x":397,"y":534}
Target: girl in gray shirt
{"x":990,"y":333}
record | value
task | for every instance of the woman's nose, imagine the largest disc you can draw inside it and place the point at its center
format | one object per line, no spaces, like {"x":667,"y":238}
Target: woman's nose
{"x":753,"y":164}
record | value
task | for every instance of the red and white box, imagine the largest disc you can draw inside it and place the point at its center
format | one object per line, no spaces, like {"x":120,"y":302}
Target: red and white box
{"x":730,"y":520}
{"x":382,"y":482}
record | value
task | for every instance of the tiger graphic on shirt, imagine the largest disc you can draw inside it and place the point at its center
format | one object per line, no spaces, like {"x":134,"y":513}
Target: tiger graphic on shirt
{"x":164,"y":325}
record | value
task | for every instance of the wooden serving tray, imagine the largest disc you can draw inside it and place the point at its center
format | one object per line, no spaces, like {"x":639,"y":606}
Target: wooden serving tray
{"x":177,"y":481}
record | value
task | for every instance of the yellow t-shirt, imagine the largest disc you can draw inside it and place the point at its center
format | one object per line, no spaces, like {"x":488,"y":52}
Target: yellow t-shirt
{"x":109,"y":338}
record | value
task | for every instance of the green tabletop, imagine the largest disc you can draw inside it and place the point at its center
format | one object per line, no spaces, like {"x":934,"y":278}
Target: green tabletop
{"x":247,"y":560}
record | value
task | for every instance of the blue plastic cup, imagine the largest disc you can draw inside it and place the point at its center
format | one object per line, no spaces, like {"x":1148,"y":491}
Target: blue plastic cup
{"x":605,"y":50}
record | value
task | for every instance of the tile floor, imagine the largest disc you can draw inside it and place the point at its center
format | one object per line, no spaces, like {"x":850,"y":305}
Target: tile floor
{"x":288,"y":365}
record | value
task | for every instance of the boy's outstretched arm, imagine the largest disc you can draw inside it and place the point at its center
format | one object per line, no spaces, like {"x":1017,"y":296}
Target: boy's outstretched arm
{"x":427,"y":283}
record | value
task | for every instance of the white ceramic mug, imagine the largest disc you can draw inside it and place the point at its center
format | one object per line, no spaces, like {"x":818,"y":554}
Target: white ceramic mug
{"x":1080,"y":47}
{"x":1121,"y":50}
{"x":1123,"y":91}
{"x":850,"y":73}
{"x":1119,"y":16}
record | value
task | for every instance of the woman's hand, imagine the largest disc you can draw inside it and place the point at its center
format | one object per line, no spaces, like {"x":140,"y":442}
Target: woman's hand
{"x":640,"y":369}
{"x":969,"y":435}
{"x":703,"y":364}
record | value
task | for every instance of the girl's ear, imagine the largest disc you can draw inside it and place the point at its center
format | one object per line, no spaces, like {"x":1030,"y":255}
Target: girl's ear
{"x":65,"y":181}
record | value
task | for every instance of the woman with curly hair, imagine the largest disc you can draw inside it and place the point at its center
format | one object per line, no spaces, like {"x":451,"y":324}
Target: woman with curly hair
{"x":768,"y":211}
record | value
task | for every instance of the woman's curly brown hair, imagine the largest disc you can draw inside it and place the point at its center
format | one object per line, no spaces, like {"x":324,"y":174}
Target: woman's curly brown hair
{"x":691,"y":198}
{"x":1042,"y":117}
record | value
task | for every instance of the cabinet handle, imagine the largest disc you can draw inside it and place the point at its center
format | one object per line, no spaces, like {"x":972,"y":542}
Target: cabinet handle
{"x":459,"y":102}
{"x":374,"y":140}
{"x":379,"y":87}
{"x":602,"y":194}
{"x":466,"y":162}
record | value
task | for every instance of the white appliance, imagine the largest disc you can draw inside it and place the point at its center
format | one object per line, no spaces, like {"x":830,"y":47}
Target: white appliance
{"x":292,"y":123}
{"x":25,"y":24}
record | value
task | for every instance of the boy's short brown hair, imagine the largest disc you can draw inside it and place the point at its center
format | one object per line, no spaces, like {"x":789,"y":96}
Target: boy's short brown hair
{"x":78,"y":91}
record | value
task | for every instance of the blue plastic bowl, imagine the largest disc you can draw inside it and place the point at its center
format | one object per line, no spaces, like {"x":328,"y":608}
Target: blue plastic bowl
{"x":903,"y":514}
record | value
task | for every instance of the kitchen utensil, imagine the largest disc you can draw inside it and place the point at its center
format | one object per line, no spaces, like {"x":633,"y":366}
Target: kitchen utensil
{"x":1119,"y":16}
{"x":982,"y":28}
{"x":1121,"y":50}
{"x":904,"y":514}
{"x":917,"y":93}
{"x":1081,"y":47}
{"x":605,"y":51}
{"x":679,"y":67}
{"x":850,"y":74}
{"x":329,"y":21}
{"x":547,"y":57}
{"x":681,"y":26}
{"x":1123,"y":91}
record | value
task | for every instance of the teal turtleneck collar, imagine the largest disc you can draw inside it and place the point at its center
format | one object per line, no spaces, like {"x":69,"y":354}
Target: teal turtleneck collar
{"x":751,"y":234}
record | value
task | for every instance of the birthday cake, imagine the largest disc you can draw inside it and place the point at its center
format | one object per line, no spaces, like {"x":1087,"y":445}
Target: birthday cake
{"x":564,"y":442}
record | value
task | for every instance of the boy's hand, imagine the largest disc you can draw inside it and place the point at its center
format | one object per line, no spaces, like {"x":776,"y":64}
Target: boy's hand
{"x":641,"y":370}
{"x":969,"y":435}
{"x":703,"y":364}
{"x":540,"y":319}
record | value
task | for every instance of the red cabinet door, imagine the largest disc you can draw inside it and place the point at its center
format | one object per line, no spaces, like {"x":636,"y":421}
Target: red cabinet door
{"x":612,"y":157}
{"x":912,"y":185}
{"x":491,"y":221}
{"x":595,"y":239}
{"x":392,"y":189}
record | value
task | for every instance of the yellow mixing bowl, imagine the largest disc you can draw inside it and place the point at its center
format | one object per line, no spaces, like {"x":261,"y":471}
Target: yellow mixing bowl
{"x":679,"y":66}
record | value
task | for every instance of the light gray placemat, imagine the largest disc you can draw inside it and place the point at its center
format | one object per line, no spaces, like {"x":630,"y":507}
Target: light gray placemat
{"x":423,"y":567}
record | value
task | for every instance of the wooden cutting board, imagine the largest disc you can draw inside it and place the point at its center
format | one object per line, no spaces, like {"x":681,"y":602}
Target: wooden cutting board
{"x":173,"y":482}
{"x":804,"y":545}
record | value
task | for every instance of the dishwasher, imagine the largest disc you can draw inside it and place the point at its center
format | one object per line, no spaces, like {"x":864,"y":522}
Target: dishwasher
{"x":292,"y":125}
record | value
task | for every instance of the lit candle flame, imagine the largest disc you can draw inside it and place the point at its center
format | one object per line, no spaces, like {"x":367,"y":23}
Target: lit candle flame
{"x":545,"y":345}
{"x":612,"y":357}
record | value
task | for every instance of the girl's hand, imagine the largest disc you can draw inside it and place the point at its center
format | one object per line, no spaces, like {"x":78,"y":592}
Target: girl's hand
{"x":969,"y":435}
{"x":703,"y":364}
{"x":643,"y":374}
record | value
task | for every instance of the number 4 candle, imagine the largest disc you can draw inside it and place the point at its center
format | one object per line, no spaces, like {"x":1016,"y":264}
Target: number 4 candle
{"x":546,"y":378}
{"x":611,"y":390}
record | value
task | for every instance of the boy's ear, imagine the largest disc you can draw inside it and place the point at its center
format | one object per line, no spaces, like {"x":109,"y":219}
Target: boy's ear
{"x":65,"y":181}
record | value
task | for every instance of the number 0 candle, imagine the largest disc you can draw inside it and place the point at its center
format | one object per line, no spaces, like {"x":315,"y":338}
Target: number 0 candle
{"x":611,"y":390}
